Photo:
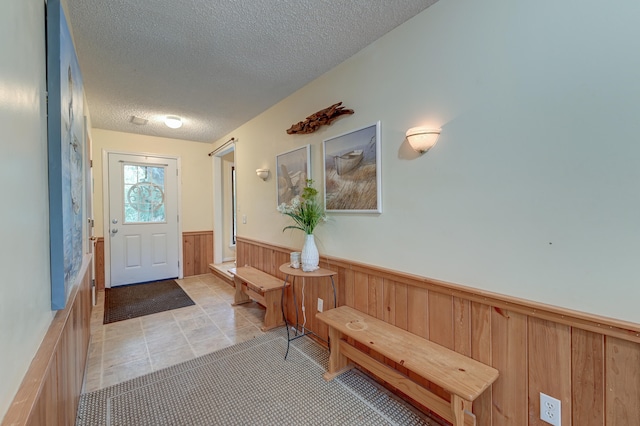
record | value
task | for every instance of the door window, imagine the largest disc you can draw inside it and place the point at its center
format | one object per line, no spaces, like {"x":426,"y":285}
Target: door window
{"x":144,"y":193}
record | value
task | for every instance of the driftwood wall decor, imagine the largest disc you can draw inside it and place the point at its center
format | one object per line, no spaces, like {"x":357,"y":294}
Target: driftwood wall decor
{"x":320,"y":118}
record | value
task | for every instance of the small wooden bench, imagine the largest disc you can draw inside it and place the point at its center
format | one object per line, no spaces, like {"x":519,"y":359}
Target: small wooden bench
{"x":252,"y":283}
{"x":462,"y":377}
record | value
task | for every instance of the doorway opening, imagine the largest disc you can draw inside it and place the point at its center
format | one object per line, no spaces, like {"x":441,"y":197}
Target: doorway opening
{"x":224,"y":212}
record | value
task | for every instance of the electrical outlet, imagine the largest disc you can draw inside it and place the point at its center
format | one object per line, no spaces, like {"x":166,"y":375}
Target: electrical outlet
{"x":320,"y":304}
{"x":550,"y":410}
{"x":244,"y":219}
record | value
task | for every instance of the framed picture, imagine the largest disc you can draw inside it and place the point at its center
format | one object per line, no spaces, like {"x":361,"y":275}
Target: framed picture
{"x":352,"y":181}
{"x":66,"y":156}
{"x":292,"y":172}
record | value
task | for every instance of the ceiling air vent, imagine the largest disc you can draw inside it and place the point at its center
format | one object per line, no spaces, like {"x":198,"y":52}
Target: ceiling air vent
{"x":138,"y":120}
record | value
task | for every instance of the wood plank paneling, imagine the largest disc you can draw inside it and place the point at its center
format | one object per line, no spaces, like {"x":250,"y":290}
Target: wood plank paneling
{"x":197,"y":252}
{"x":441,"y":319}
{"x":418,"y":311}
{"x":591,"y":363}
{"x":622,"y":382}
{"x":50,"y":390}
{"x":548,"y":344}
{"x":99,"y":262}
{"x":509,"y":356}
{"x":462,"y":326}
{"x":361,"y":291}
{"x":587,"y":377}
{"x":376,"y":294}
{"x":402,"y":306}
{"x":389,"y":288}
{"x":481,"y":351}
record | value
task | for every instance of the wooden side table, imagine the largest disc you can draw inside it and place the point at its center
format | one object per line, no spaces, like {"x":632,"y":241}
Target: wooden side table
{"x":293,"y":273}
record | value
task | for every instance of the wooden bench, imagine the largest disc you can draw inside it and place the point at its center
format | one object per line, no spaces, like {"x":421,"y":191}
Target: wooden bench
{"x":462,"y":377}
{"x":252,"y":283}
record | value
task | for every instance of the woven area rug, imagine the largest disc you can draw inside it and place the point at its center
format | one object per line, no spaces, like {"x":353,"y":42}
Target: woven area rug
{"x":136,"y":300}
{"x":248,"y":384}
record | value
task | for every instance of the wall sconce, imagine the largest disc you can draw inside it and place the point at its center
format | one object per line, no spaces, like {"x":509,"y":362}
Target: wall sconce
{"x":422,"y":139}
{"x":262,"y":173}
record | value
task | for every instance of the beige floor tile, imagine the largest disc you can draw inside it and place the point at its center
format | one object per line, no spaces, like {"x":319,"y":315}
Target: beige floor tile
{"x":195,"y":322}
{"x":222,"y":308}
{"x":203,"y":333}
{"x":95,"y":349}
{"x":126,"y":371}
{"x":189,"y":280}
{"x":203,"y":347}
{"x":238,"y":335}
{"x":94,"y":363}
{"x":229,"y":324}
{"x":187,"y":312}
{"x":256,"y":319}
{"x":220,"y":315}
{"x":155,"y":332}
{"x":166,"y":340}
{"x":222,"y":286}
{"x":92,"y":380}
{"x":123,"y":328}
{"x":123,"y":350}
{"x":97,"y":333}
{"x":153,"y":320}
{"x":207,"y":299}
{"x":172,"y":356}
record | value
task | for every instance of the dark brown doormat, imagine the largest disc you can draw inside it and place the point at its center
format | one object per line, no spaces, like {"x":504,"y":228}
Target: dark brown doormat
{"x":136,"y":300}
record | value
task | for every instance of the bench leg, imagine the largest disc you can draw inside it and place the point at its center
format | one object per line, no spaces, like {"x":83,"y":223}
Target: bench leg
{"x":273,"y":316}
{"x":338,"y":363}
{"x":240,"y":296}
{"x":461,"y":409}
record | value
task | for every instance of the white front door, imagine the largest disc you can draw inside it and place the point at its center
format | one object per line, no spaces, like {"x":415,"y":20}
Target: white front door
{"x":143,"y":218}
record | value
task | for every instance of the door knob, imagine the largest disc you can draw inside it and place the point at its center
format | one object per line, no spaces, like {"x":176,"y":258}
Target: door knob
{"x":114,"y":230}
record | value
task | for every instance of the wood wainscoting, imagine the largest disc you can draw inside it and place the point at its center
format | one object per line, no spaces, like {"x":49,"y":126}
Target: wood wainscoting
{"x":99,"y":259}
{"x":50,"y":390}
{"x":590,"y":363}
{"x":197,"y":254}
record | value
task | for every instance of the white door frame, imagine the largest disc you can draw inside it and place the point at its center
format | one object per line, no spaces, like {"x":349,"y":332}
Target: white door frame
{"x":218,"y":194}
{"x":106,"y":206}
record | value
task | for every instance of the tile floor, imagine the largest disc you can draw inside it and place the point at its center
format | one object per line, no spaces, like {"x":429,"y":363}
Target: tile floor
{"x":126,"y":349}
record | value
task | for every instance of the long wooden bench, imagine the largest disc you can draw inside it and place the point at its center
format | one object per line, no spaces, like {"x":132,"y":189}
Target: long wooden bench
{"x":252,"y":283}
{"x":462,"y":377}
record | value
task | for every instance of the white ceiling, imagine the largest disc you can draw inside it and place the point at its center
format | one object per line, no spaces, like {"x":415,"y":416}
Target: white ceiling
{"x":216,"y":63}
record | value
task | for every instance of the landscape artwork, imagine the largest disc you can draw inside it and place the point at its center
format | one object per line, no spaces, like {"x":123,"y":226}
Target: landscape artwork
{"x":292,"y":172}
{"x":352,"y":181}
{"x":66,"y":153}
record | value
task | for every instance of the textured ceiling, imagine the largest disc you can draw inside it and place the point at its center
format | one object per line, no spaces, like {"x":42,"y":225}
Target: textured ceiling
{"x":216,"y":63}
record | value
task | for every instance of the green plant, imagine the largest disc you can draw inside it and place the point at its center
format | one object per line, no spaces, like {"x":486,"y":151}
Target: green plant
{"x":304,"y":209}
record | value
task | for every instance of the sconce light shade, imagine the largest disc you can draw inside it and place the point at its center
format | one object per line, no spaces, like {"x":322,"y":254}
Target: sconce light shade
{"x":173,"y":122}
{"x":262,"y":173}
{"x":422,"y":139}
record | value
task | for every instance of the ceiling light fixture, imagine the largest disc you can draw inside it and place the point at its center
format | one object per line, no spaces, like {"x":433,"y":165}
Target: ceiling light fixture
{"x":173,"y":122}
{"x":422,"y":139}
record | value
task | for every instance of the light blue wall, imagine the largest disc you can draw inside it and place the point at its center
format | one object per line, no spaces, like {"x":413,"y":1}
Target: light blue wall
{"x":532,"y":189}
{"x":25,"y":292}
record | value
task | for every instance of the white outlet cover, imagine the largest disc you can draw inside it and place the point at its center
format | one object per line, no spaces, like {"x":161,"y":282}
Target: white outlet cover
{"x":320,"y":305}
{"x":550,"y":410}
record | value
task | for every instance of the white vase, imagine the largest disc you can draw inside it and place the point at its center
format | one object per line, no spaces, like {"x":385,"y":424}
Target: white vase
{"x":310,"y":257}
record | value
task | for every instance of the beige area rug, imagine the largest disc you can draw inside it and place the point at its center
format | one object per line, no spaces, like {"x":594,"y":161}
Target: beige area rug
{"x":248,"y":384}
